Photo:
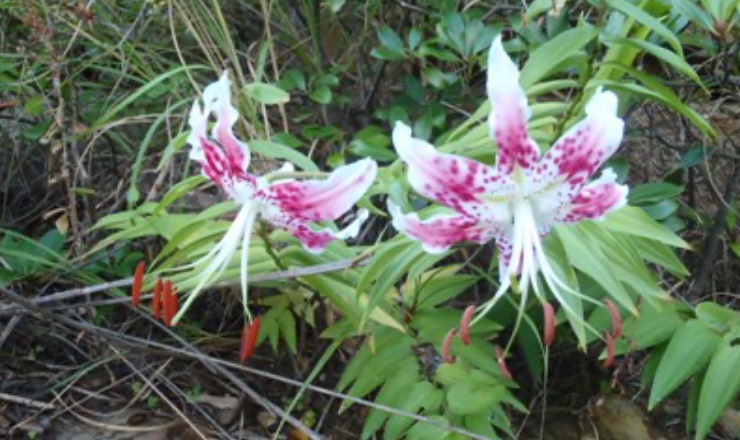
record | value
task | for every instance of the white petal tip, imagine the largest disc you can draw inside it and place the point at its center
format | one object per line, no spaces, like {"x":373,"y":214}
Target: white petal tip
{"x":603,"y":102}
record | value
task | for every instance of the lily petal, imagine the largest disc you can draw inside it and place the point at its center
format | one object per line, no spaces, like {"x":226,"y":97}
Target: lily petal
{"x":453,"y":181}
{"x":509,"y":113}
{"x":314,"y":241}
{"x":440,"y":232}
{"x":595,"y":200}
{"x":582,"y":150}
{"x":325,"y":200}
{"x":217,"y":98}
{"x":225,"y":161}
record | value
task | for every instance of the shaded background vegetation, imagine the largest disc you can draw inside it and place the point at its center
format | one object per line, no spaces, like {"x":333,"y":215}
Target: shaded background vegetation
{"x":93,"y":103}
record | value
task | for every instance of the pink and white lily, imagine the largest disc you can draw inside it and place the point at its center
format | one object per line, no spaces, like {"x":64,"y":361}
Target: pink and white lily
{"x":287,"y":204}
{"x":519,"y":200}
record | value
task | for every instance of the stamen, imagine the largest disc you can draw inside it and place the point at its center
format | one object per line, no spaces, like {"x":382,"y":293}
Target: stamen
{"x":610,"y":351}
{"x":549,"y":314}
{"x":249,"y":339}
{"x":502,"y":362}
{"x":138,"y":280}
{"x":447,"y":346}
{"x":167,"y":303}
{"x":465,"y":324}
{"x":616,"y":319}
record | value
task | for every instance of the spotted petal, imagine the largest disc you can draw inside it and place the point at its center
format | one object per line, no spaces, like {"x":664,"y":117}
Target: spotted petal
{"x":313,"y":239}
{"x":325,"y":200}
{"x":581,"y":151}
{"x":440,"y":232}
{"x":595,"y":200}
{"x":217,"y":98}
{"x":453,"y":181}
{"x":225,"y":159}
{"x":509,"y":113}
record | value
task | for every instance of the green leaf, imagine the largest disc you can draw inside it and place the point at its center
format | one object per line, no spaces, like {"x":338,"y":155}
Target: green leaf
{"x":381,"y":365}
{"x":287,"y":324}
{"x":655,"y":90}
{"x":549,"y":55}
{"x":321,"y":94}
{"x":390,"y":41}
{"x":663,"y":54}
{"x":266,"y":93}
{"x":426,"y":431}
{"x":107,"y":116}
{"x":273,"y":150}
{"x":471,"y":398}
{"x":661,"y":210}
{"x":588,"y":258}
{"x":653,"y":326}
{"x":420,"y":395}
{"x":658,"y":253}
{"x":390,"y":395}
{"x":694,"y":13}
{"x":653,"y":23}
{"x":688,"y":351}
{"x":720,"y":386}
{"x":634,"y":221}
{"x":718,"y":316}
{"x":653,"y":192}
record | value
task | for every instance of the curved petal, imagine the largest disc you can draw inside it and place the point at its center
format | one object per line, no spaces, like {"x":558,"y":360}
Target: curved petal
{"x":225,"y":161}
{"x":582,"y":150}
{"x":217,"y":99}
{"x":595,"y":200}
{"x":509,"y":113}
{"x":440,"y":232}
{"x":453,"y":181}
{"x":325,"y":200}
{"x":314,"y":241}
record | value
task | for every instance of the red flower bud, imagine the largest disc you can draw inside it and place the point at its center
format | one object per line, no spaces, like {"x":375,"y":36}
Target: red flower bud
{"x":549,"y":332}
{"x":249,"y":339}
{"x":465,"y":324}
{"x":447,"y":346}
{"x":138,"y":280}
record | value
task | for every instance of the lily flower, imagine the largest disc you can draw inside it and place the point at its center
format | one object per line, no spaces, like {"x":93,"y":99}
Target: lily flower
{"x":518,"y":201}
{"x":287,"y":204}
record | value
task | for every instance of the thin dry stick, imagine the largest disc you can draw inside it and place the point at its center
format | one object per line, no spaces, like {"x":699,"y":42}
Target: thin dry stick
{"x":161,"y":395}
{"x":160,"y":350}
{"x":25,"y":401}
{"x":270,"y":276}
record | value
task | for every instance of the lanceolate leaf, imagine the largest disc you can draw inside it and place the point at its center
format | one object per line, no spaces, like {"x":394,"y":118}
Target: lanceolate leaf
{"x":634,"y":221}
{"x":720,"y":386}
{"x":689,"y":350}
{"x":649,"y":21}
{"x":543,"y":60}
